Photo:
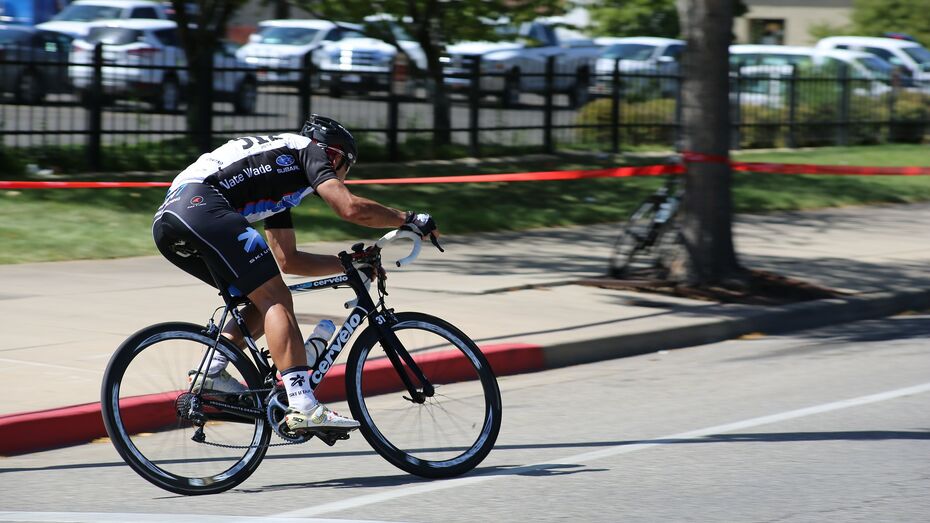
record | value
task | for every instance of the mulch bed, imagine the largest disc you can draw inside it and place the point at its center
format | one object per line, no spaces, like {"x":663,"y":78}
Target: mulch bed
{"x":756,"y":288}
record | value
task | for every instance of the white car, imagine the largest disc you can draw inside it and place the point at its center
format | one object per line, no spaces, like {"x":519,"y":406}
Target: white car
{"x":910,"y":55}
{"x":860,"y":65}
{"x":518,"y":64}
{"x":144,"y":59}
{"x":768,"y":84}
{"x":278,"y":49}
{"x":639,"y":57}
{"x":74,"y":20}
{"x":363,"y":64}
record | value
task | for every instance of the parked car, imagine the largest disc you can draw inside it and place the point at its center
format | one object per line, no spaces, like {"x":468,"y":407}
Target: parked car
{"x":640,"y":57}
{"x":282,"y":44}
{"x":144,"y":59}
{"x":363,"y":64}
{"x":75,"y":19}
{"x":907,"y":54}
{"x":517,"y":63}
{"x":860,"y":65}
{"x":33,"y":62}
{"x":768,"y":84}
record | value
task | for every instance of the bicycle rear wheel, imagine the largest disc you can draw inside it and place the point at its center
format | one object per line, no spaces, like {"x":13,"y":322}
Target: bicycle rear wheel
{"x":144,"y":393}
{"x":454,"y":429}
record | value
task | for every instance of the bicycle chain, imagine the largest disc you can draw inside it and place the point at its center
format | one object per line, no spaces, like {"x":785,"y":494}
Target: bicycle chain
{"x":258,"y":412}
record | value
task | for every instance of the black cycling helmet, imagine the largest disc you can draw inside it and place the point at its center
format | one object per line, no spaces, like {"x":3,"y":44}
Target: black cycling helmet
{"x":333,"y":134}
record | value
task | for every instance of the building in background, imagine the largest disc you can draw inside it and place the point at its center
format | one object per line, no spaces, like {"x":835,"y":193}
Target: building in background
{"x":788,"y":22}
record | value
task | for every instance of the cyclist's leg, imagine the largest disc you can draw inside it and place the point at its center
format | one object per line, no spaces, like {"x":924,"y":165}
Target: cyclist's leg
{"x":197,"y":228}
{"x":254,"y":322}
{"x":273,"y":302}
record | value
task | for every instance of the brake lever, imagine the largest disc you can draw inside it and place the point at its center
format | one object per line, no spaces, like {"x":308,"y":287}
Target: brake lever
{"x":435,"y":241}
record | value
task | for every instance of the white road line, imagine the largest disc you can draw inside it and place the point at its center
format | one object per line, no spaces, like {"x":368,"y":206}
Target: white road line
{"x":106,"y":517}
{"x":98,"y":372}
{"x":432,"y":486}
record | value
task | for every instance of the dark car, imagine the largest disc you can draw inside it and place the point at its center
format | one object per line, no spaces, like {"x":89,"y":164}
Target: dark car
{"x":33,"y":62}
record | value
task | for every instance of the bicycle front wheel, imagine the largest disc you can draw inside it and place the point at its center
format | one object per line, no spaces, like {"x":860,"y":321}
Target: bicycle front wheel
{"x":146,"y":406}
{"x":449,"y":433}
{"x":632,"y":243}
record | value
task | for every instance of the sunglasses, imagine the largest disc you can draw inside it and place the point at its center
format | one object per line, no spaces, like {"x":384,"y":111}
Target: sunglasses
{"x":345,"y":160}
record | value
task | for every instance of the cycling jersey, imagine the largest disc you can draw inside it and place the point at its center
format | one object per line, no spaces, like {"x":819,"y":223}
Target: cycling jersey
{"x":262,"y":175}
{"x":206,"y":216}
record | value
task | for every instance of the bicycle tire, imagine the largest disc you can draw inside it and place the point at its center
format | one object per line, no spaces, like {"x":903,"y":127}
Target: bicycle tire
{"x":141,"y":418}
{"x":464,"y":383}
{"x":632,"y":240}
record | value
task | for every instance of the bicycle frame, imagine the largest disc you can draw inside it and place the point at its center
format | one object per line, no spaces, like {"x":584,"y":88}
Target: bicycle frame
{"x":364,"y":308}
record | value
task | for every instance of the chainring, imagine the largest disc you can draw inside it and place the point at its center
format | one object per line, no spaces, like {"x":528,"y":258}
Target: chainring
{"x":274,"y":413}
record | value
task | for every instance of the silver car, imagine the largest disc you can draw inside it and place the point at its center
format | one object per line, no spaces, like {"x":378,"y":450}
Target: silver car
{"x":144,"y":59}
{"x":33,"y":63}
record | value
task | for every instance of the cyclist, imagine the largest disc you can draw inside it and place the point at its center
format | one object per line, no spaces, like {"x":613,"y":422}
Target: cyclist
{"x":206,"y":220}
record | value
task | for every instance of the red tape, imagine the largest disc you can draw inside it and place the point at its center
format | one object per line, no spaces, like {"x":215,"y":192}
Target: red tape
{"x":80,"y":185}
{"x":616,"y":172}
{"x":646,"y":170}
{"x":799,"y":168}
{"x":693,"y":157}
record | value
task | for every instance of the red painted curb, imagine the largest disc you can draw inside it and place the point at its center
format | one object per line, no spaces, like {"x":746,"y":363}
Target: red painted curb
{"x":28,"y":431}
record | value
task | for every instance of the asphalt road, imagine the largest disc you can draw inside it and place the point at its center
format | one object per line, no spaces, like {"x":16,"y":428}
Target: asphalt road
{"x":826,"y":425}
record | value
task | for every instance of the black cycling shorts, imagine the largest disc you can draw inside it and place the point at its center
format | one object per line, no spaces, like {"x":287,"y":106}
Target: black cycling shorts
{"x":196,"y":226}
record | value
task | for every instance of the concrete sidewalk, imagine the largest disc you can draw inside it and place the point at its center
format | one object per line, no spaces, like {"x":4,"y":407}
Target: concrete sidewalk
{"x":62,"y":321}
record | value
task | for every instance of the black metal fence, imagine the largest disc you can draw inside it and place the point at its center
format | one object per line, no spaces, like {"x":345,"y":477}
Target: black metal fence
{"x":90,"y":110}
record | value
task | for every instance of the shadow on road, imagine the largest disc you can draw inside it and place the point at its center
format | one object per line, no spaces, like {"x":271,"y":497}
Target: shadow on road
{"x":534,"y":470}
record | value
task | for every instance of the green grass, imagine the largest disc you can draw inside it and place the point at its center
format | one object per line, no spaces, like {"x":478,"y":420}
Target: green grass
{"x":46,"y":225}
{"x":754,"y":192}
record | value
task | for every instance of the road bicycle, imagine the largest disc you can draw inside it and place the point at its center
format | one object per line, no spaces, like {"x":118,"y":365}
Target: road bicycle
{"x":641,"y":245}
{"x":425,"y":396}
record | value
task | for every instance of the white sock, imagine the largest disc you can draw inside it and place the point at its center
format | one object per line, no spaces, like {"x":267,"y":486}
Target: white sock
{"x":217,"y":364}
{"x":297,"y":384}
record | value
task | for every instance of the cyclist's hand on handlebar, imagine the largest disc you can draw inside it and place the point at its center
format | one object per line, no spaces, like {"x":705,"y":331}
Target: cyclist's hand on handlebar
{"x":420,"y":223}
{"x":424,"y":225}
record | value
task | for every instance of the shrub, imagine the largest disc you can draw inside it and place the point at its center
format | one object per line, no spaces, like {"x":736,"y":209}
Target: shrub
{"x":911,"y":118}
{"x":645,"y":122}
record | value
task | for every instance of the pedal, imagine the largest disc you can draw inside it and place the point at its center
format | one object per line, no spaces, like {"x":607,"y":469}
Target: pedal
{"x":331,"y":437}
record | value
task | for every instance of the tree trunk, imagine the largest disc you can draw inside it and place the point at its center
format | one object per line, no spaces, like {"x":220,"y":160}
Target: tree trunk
{"x":200,"y":101}
{"x":442,"y":110}
{"x":428,"y":37}
{"x":707,"y":255}
{"x":282,"y":9}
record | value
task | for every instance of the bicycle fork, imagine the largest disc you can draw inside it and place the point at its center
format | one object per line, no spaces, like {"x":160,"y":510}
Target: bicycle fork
{"x":396,"y":352}
{"x":384,"y":320}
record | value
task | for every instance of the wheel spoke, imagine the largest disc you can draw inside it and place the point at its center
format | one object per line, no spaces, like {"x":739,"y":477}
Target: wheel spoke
{"x":147,"y":410}
{"x":453,"y":430}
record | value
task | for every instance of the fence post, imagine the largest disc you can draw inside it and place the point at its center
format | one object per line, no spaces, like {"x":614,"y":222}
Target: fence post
{"x":843,"y":126}
{"x":392,"y":123}
{"x":736,"y":113}
{"x":95,"y":110}
{"x":303,"y":89}
{"x":892,"y":99}
{"x":615,"y":108}
{"x":205,"y":105}
{"x":678,"y":130}
{"x":474,"y":99}
{"x":793,"y":107}
{"x":548,"y":145}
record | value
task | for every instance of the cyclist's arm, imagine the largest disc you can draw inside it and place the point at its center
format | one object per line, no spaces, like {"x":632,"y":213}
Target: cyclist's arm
{"x":356,"y":209}
{"x":283,"y":245}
